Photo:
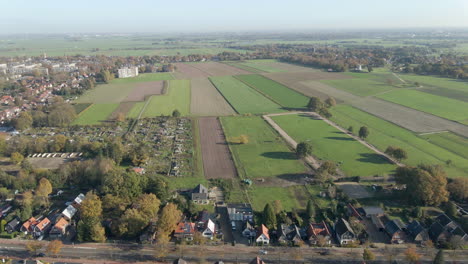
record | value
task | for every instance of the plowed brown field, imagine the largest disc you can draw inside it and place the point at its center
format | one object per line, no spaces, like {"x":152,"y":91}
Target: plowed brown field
{"x":144,"y":89}
{"x":186,"y":71}
{"x":217,"y":160}
{"x":218,"y":69}
{"x":207,"y":101}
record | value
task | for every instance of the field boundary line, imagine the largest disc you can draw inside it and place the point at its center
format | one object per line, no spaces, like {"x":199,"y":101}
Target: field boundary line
{"x":225,"y":99}
{"x":398,"y":77}
{"x":260,"y":92}
{"x":435,"y":132}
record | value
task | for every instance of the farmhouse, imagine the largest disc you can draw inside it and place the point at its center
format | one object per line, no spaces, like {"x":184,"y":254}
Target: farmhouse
{"x":416,"y":232}
{"x":59,"y":229}
{"x":289,"y":234}
{"x":263,"y":238}
{"x":209,"y":230}
{"x":344,"y":233}
{"x":394,"y":229}
{"x":41,"y":227}
{"x":185,"y":230}
{"x":317,"y":232}
{"x":200,"y":195}
{"x":128,"y":72}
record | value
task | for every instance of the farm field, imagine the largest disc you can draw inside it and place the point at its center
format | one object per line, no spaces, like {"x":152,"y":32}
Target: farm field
{"x":145,"y":77}
{"x":449,"y":141}
{"x":288,"y":196}
{"x":441,"y":86}
{"x":142,"y":90}
{"x":186,"y":71}
{"x":440,"y":106}
{"x":360,"y":86}
{"x":95,"y":114}
{"x":256,"y":66}
{"x":207,"y":101}
{"x":243,"y":98}
{"x":265,"y":154}
{"x":123,"y":108}
{"x":106,"y":93}
{"x":176,"y":98}
{"x":218,"y":69}
{"x":80,"y":107}
{"x":331,"y":144}
{"x":217,"y":161}
{"x":136,"y":109}
{"x":276,"y":91}
{"x":419,"y":149}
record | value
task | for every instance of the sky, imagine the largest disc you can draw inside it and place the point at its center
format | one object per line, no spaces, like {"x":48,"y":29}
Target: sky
{"x":134,"y":16}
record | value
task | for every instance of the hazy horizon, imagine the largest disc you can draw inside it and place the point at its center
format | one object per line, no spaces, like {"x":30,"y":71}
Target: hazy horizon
{"x":56,"y":17}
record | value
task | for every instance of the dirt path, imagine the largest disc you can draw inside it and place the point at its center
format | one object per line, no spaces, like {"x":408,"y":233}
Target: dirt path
{"x":312,"y":161}
{"x":398,"y":77}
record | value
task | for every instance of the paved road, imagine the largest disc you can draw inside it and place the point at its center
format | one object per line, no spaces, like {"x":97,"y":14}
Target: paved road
{"x":125,"y":253}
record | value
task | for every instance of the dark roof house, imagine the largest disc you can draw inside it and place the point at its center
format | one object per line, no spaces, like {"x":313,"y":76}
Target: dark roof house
{"x":200,"y":195}
{"x":344,"y":233}
{"x":13,"y":225}
{"x":317,"y":230}
{"x":416,"y":232}
{"x":444,"y":228}
{"x":289,"y":234}
{"x":394,"y":229}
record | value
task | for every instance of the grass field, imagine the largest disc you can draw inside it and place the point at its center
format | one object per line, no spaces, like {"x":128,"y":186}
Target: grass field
{"x":277,"y":92}
{"x":331,"y":144}
{"x":95,"y":114}
{"x":243,"y":98}
{"x":384,"y":134}
{"x":80,"y":107}
{"x":260,"y":196}
{"x":437,"y":105}
{"x":265,"y":155}
{"x":449,"y":141}
{"x":177,"y":97}
{"x":136,"y":110}
{"x":446,"y":87}
{"x":256,"y":66}
{"x":360,"y":86}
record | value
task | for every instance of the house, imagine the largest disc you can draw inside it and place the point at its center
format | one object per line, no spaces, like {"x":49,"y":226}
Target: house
{"x":262,"y":238}
{"x":289,"y":234}
{"x":240,"y":212}
{"x":317,"y":231}
{"x":180,"y":261}
{"x":444,"y":228}
{"x":352,"y":211}
{"x":209,"y":229}
{"x":185,"y":230}
{"x":27,"y":226}
{"x":257,"y":260}
{"x":377,"y":221}
{"x":394,"y":229}
{"x":78,"y":200}
{"x":69,"y":212}
{"x":13,"y":225}
{"x":249,"y":230}
{"x":59,"y":229}
{"x":41,"y":228}
{"x":416,"y":232}
{"x":139,"y":170}
{"x":344,"y":233}
{"x":200,"y":195}
{"x":369,"y":211}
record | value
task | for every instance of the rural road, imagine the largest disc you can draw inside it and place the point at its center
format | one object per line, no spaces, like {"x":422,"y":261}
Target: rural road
{"x":312,"y":161}
{"x":135,"y":253}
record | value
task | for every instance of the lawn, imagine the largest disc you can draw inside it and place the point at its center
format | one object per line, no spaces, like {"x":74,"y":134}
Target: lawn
{"x":265,"y":154}
{"x":243,"y":98}
{"x":331,"y":144}
{"x":95,"y":114}
{"x":176,"y":98}
{"x":145,"y":77}
{"x":437,"y":105}
{"x":384,"y":134}
{"x":260,"y":196}
{"x":277,"y":92}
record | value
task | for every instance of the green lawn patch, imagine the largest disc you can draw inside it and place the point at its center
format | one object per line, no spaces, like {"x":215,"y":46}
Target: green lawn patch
{"x":433,"y":104}
{"x":177,"y":97}
{"x":383,"y":134}
{"x":331,"y":144}
{"x":95,"y":115}
{"x":265,"y":155}
{"x":260,"y":196}
{"x":243,"y":98}
{"x":276,"y":91}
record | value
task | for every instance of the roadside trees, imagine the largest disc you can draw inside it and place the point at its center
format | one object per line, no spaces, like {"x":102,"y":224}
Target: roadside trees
{"x":363,"y":132}
{"x":303,"y":149}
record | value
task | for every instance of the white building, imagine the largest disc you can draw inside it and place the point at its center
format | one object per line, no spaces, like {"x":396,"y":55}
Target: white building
{"x":128,"y":72}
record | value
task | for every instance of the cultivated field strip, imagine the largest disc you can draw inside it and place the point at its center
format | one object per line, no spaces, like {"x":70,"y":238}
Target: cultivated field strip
{"x":217,"y":161}
{"x":207,"y":101}
{"x":186,"y":71}
{"x":218,"y":69}
{"x":294,"y":77}
{"x":145,"y":89}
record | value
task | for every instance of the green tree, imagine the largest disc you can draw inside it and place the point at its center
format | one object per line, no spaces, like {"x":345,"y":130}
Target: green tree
{"x":277,"y":206}
{"x":451,"y":209}
{"x":350,"y":129}
{"x":329,"y":167}
{"x":310,"y":210}
{"x":168,"y":220}
{"x":269,"y":217}
{"x":175,"y":113}
{"x":303,"y":149}
{"x":315,"y":104}
{"x":90,"y":227}
{"x":148,"y":205}
{"x":396,"y":152}
{"x":16,"y":158}
{"x":33,"y":246}
{"x":458,"y":189}
{"x":369,"y":68}
{"x":325,"y":113}
{"x":132,"y":223}
{"x":43,"y":190}
{"x":23,"y":121}
{"x":439,"y":258}
{"x":363,"y":132}
{"x":330,"y":102}
{"x":368,"y":255}
{"x":425,"y":184}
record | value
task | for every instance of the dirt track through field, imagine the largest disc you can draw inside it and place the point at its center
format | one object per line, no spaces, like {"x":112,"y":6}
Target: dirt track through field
{"x":218,"y":69}
{"x":416,"y":121}
{"x":207,"y":101}
{"x":217,"y":160}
